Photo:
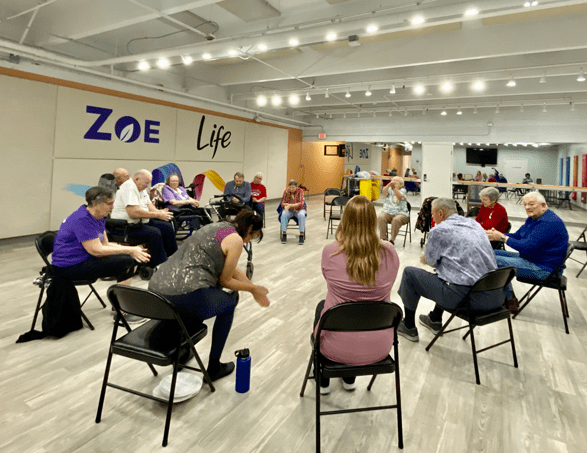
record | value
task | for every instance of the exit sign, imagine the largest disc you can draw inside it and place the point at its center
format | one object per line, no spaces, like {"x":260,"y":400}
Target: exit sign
{"x":322,"y":136}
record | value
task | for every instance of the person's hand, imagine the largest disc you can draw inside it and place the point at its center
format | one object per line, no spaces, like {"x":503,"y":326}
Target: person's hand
{"x":285,"y":206}
{"x":423,"y":258}
{"x":139,"y":254}
{"x":165,"y":215}
{"x":195,"y":203}
{"x":494,"y":235}
{"x":260,"y":295}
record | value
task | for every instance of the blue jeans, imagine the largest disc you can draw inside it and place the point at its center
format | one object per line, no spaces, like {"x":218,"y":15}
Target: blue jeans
{"x":301,"y":216}
{"x":259,"y":208}
{"x":524,"y":268}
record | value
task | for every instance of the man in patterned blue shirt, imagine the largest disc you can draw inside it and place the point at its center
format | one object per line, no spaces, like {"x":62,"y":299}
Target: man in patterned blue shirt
{"x":460,"y":251}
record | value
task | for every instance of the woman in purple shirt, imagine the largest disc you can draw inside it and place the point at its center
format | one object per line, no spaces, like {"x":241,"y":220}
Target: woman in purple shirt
{"x":357,"y":267}
{"x":82,"y":250}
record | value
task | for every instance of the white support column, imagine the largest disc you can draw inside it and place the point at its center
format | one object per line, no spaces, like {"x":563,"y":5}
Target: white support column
{"x":436,"y":172}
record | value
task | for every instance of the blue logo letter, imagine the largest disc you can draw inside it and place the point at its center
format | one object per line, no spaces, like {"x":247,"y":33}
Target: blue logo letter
{"x":94,"y":130}
{"x":127,"y":129}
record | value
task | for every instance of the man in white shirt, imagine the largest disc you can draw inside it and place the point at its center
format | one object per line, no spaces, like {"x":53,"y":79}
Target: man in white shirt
{"x":152,"y":225}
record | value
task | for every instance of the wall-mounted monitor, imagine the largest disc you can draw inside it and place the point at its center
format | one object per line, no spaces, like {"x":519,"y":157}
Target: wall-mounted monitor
{"x":482,"y":156}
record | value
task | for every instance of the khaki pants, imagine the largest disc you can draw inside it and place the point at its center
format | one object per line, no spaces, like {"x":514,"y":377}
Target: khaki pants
{"x":397,"y":221}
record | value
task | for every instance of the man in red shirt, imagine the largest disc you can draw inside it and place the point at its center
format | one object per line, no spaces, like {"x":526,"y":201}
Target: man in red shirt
{"x":258,"y":194}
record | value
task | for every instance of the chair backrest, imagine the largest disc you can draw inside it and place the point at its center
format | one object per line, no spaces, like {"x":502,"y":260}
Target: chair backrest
{"x":508,"y":229}
{"x":156,"y":195}
{"x":495,"y":279}
{"x":332,"y":192}
{"x":45,"y":243}
{"x":361,"y":316}
{"x":340,"y":201}
{"x":141,"y":302}
{"x":160,"y":174}
{"x":409,"y":207}
{"x":108,"y":181}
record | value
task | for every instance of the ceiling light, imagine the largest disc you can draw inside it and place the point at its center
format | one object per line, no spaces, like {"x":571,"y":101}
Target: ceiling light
{"x":262,"y":47}
{"x":544,"y":107}
{"x":331,"y":36}
{"x":581,"y":77}
{"x":144,"y":66}
{"x":390,"y":113}
{"x":543,"y":78}
{"x":461,"y":143}
{"x":163,"y":63}
{"x":327,"y":95}
{"x":418,"y":20}
{"x":187,"y":59}
{"x":317,"y":116}
{"x":368,"y":92}
{"x":459,"y":111}
{"x":419,"y":89}
{"x":348,"y":93}
{"x":330,"y":116}
{"x":443,"y":113}
{"x":293,"y":42}
{"x":497,"y":109}
{"x":261,"y":101}
{"x":512,"y":82}
{"x":471,"y":12}
{"x":534,"y":145}
{"x":522,"y":108}
{"x":572,"y":106}
{"x":359,"y":115}
{"x":232,"y":52}
{"x":479,"y":85}
{"x":392,"y":91}
{"x":475,"y":112}
{"x":534,"y":3}
{"x":372,"y":28}
{"x":294,"y":99}
{"x":447,"y":86}
{"x":308,"y":98}
{"x":206,"y":56}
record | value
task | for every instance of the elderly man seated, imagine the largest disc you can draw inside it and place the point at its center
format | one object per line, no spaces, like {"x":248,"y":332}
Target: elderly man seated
{"x":120,"y":176}
{"x":151,"y":225}
{"x":238,"y":190}
{"x":460,"y":251}
{"x":541,"y":242}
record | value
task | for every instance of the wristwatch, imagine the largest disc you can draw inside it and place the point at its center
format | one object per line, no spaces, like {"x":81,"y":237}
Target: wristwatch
{"x":504,"y":239}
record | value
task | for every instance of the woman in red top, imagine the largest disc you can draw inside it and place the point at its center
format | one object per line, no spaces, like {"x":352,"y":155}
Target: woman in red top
{"x":492,"y":214}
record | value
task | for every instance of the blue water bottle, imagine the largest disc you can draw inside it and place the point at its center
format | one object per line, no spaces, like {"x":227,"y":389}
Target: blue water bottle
{"x":243,"y":370}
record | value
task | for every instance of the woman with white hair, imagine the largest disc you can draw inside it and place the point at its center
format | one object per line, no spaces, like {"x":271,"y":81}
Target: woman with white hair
{"x":492,"y":214}
{"x":258,"y":194}
{"x":395,"y":209}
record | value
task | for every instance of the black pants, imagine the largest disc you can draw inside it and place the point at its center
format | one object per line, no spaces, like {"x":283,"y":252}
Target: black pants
{"x":159,"y":237}
{"x":119,"y":266}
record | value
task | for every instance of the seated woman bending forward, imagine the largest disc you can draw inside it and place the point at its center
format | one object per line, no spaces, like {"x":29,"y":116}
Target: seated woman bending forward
{"x":357,"y":267}
{"x":192,"y":280}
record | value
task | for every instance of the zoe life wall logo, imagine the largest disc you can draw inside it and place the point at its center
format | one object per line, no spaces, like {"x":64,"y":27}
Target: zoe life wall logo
{"x":126,"y":128}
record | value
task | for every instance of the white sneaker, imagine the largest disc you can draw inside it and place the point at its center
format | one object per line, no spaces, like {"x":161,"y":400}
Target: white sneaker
{"x":325,"y":390}
{"x":349,"y":387}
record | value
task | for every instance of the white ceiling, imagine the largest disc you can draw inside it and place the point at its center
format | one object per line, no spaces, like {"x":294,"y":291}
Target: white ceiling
{"x":505,"y":39}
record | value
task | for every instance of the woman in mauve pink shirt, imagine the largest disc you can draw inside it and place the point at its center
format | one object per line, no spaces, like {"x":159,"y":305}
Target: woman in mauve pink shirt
{"x":357,"y":267}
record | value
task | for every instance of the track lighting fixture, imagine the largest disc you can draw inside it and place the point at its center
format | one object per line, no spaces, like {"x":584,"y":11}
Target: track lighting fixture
{"x":348,"y":93}
{"x":392,"y":91}
{"x":581,"y":77}
{"x":308,"y":97}
{"x":368,"y":92}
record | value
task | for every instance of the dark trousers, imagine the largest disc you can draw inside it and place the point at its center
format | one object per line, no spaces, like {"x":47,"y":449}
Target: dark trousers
{"x":259,"y":208}
{"x":159,"y":237}
{"x":206,"y":303}
{"x":119,"y":266}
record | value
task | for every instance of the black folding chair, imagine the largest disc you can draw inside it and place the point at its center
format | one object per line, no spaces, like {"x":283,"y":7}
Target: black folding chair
{"x":329,"y":195}
{"x":495,"y":280}
{"x":338,"y":202}
{"x":408,"y":230}
{"x":356,"y":317}
{"x":44,"y":243}
{"x":555,"y":280}
{"x":580,"y":244}
{"x":140,"y":344}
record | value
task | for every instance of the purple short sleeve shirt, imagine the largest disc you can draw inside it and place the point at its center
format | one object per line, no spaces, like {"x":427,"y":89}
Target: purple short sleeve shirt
{"x":75,"y":229}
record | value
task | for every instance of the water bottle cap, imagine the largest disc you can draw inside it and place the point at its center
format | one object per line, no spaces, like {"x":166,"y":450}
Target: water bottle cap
{"x":243,"y":353}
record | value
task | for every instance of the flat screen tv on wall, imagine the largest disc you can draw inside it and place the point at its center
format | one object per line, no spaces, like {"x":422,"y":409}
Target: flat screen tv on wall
{"x":482,"y":156}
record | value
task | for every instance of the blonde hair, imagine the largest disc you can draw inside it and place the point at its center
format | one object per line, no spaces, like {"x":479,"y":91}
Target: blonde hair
{"x":357,"y":238}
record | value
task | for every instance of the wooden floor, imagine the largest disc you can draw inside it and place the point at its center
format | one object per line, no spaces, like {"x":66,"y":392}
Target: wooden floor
{"x":50,"y":388}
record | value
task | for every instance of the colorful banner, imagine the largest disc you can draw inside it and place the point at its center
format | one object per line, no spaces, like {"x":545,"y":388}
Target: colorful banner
{"x":575,"y":174}
{"x":213,"y":177}
{"x":584,"y":179}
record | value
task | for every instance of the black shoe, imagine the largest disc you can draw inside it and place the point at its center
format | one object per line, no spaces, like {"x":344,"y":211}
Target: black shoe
{"x":224,"y":369}
{"x":301,"y":240}
{"x":283,"y":238}
{"x":410,"y":334}
{"x":433,"y":326}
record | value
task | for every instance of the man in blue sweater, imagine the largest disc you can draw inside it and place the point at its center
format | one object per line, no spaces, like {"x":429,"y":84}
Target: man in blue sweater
{"x":541,"y":242}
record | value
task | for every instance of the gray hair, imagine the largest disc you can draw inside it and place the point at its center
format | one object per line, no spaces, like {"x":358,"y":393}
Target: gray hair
{"x":293,"y":182}
{"x":259,"y":173}
{"x":490,"y":192}
{"x":98,"y":195}
{"x":400,"y":179}
{"x":535,"y":194}
{"x":448,"y":205}
{"x":239,"y":174}
{"x":143,"y":173}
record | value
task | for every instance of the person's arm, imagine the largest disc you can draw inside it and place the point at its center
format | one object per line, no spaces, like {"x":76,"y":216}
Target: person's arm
{"x":134,"y":212}
{"x":301,"y":203}
{"x":284,"y":205}
{"x":247,"y":194}
{"x":232,"y":277}
{"x":385,"y":190}
{"x":98,"y":249}
{"x":397,"y":193}
{"x":432,"y":256}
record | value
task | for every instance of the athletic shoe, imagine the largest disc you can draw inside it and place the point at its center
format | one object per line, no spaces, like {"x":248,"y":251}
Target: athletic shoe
{"x":283,"y":238}
{"x":325,"y":390}
{"x":301,"y":240}
{"x":433,"y":326}
{"x":349,"y":387}
{"x":223,"y":370}
{"x":409,"y":334}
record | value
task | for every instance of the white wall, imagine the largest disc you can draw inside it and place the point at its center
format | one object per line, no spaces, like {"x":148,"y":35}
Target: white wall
{"x":50,"y":157}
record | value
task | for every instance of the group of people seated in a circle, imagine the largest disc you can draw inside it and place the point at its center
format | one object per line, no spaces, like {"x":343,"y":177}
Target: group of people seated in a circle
{"x":360,"y":265}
